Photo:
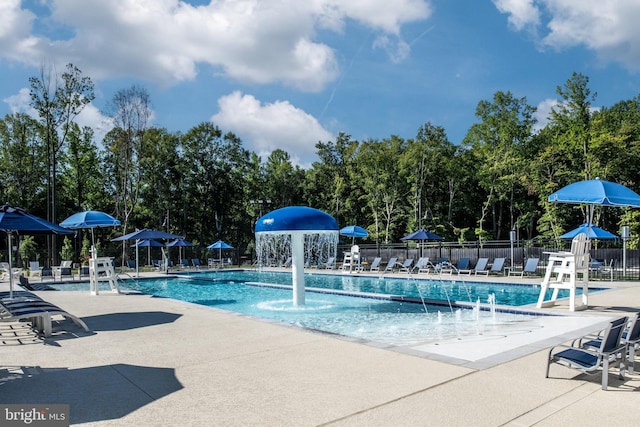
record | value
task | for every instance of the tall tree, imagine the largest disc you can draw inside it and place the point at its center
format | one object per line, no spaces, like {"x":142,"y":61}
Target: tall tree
{"x":58,"y":101}
{"x":505,"y":125}
{"x":130,"y":110}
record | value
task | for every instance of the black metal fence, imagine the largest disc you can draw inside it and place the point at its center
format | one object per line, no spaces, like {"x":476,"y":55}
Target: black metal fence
{"x":626,"y":262}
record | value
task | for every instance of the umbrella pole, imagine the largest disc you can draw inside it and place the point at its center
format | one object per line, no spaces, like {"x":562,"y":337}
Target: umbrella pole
{"x":137,"y":260}
{"x":10,"y":268}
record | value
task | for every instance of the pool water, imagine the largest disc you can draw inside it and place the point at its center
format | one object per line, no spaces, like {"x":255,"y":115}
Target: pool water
{"x":376,"y":315}
{"x":371,"y":319}
{"x":444,"y":290}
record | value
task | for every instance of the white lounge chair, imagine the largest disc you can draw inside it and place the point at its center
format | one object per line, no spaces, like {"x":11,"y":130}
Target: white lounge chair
{"x":481,"y":266}
{"x":391,"y":265}
{"x":422,"y":265}
{"x":530,"y":267}
{"x":375,"y":264}
{"x":34,"y":269}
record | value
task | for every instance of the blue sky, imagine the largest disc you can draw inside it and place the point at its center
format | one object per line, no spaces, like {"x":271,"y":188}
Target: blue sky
{"x":287,"y":73}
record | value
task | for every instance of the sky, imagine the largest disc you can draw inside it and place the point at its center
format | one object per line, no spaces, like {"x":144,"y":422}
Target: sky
{"x":289,"y":73}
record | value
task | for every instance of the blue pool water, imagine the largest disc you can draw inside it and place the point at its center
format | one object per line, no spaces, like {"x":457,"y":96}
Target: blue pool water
{"x":444,"y":290}
{"x":374,"y":318}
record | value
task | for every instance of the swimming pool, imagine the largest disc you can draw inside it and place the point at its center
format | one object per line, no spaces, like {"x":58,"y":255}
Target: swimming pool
{"x":379,"y":314}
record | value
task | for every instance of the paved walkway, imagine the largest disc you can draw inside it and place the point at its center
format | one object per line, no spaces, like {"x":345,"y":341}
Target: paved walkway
{"x":160,"y":362}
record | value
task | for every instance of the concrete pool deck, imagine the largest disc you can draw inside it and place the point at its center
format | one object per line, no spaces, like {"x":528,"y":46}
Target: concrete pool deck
{"x":160,"y":362}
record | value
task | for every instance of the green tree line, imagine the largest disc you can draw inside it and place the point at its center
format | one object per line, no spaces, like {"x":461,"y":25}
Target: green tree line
{"x":203,"y":184}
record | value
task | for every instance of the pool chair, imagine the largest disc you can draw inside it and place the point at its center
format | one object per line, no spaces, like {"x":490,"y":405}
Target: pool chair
{"x":391,"y":265}
{"x":37,"y":311}
{"x":196,"y":263}
{"x":422,"y":265}
{"x":65,"y":273}
{"x":330,"y":264}
{"x":5,"y":270}
{"x":375,"y":264}
{"x":590,"y":360}
{"x":24,"y":282}
{"x":481,"y":266}
{"x":34,"y":269}
{"x":406,"y":265}
{"x":463,"y":266}
{"x":184,"y":263}
{"x":498,"y":266}
{"x":530,"y":267}
{"x":630,"y":337}
{"x":46,"y":273}
{"x":157,"y":264}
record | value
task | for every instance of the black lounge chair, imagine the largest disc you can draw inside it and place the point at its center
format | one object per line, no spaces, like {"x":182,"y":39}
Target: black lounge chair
{"x":36,"y":310}
{"x":585,"y":358}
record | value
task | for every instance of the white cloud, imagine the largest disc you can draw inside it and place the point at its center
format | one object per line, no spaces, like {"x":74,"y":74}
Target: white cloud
{"x":19,"y":103}
{"x":266,"y":127}
{"x":523,"y":13}
{"x":250,"y":41}
{"x":543,"y":113}
{"x":609,"y":28}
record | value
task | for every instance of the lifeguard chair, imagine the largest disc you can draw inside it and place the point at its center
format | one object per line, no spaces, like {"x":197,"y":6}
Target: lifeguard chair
{"x":567,"y":270}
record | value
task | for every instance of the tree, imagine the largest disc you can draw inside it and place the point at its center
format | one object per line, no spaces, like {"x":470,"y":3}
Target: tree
{"x":22,"y":163}
{"x":284,"y":181}
{"x":58,"y":101}
{"x":383,"y":184}
{"x":505,"y":125}
{"x":130,"y":110}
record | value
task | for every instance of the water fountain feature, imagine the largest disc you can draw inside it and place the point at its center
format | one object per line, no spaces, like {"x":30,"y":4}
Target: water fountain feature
{"x":303,"y":232}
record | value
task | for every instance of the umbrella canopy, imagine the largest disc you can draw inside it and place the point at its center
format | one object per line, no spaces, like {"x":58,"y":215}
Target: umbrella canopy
{"x":146,"y":234}
{"x":14,"y":219}
{"x":353,"y":231}
{"x":180,"y":243}
{"x":590,"y":230}
{"x":147,"y":243}
{"x":90,"y":219}
{"x":596,"y":192}
{"x":220,"y":245}
{"x":17,"y":220}
{"x":422,"y":234}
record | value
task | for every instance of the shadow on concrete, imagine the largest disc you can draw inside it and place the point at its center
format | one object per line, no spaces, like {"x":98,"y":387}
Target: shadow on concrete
{"x":129,"y":320}
{"x":93,"y":394}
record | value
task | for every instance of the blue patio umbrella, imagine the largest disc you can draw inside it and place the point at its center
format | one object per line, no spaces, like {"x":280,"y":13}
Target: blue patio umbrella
{"x":180,"y":243}
{"x":594,"y":192}
{"x":90,"y":219}
{"x":590,"y":230}
{"x":17,"y":220}
{"x":220,"y":245}
{"x":143,"y":234}
{"x":422,"y":234}
{"x":147,"y":243}
{"x":353,"y":231}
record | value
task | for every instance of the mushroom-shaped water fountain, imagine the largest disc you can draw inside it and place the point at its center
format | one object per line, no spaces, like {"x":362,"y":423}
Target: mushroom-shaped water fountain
{"x":296,"y":223}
